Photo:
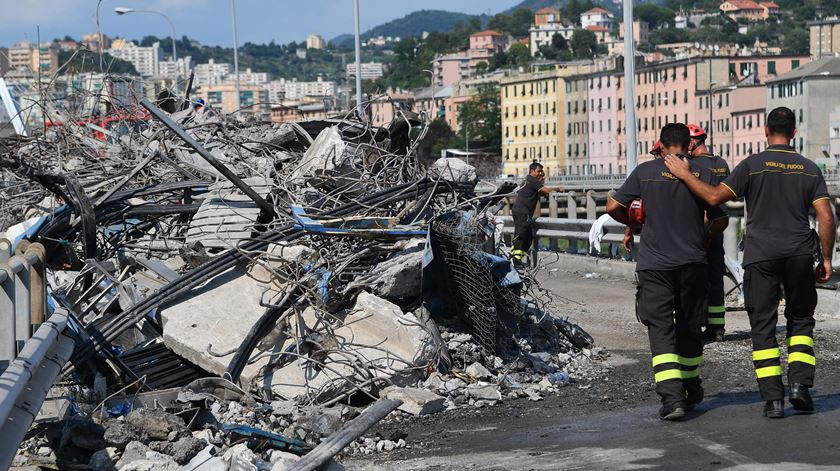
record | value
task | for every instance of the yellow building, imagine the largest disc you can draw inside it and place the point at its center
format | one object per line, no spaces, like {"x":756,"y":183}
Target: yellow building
{"x":533,"y":109}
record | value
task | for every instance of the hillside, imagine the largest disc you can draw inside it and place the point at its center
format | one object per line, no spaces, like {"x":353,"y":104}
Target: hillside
{"x":413,"y":24}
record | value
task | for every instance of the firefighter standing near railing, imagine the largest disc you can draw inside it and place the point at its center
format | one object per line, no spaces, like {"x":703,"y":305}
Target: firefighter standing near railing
{"x":780,"y":187}
{"x":523,"y":211}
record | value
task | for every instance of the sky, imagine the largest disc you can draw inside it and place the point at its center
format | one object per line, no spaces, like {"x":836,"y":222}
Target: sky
{"x":209,"y":21}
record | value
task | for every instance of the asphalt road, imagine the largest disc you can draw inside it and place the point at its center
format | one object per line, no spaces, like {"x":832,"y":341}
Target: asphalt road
{"x":610,"y":422}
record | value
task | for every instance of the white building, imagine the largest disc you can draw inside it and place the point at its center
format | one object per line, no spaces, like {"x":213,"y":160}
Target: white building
{"x":281,"y":90}
{"x":370,"y":70}
{"x":315,"y":41}
{"x":248,"y":77}
{"x":145,"y":59}
{"x":596,"y":17}
{"x":172,"y":69}
{"x":211,"y":73}
{"x":542,"y":35}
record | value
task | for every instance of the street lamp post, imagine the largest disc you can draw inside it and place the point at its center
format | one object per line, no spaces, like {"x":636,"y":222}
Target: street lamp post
{"x":711,"y":115}
{"x":235,"y":53}
{"x":124,"y":11}
{"x":629,"y":86}
{"x":359,"y":109}
{"x":434,"y":99}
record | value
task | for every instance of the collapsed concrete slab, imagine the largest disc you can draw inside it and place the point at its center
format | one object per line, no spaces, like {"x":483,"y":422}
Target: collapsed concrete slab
{"x":453,"y":169}
{"x":415,"y":401}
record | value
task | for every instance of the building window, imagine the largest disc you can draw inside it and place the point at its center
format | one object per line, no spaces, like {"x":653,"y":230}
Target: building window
{"x":771,"y":67}
{"x":794,"y":64}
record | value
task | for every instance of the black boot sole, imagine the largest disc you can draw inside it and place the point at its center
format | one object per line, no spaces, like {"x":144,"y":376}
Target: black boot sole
{"x":801,"y":405}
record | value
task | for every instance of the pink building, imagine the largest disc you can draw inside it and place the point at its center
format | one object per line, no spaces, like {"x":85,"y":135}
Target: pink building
{"x":764,"y":67}
{"x":746,"y":129}
{"x":603,"y":121}
{"x":492,"y":40}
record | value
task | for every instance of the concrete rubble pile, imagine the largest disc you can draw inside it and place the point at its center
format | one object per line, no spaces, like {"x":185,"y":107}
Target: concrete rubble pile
{"x":239,"y":291}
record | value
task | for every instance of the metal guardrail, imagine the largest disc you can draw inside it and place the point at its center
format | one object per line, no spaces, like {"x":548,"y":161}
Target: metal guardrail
{"x":32,"y":362}
{"x":27,"y":380}
{"x":23,"y":295}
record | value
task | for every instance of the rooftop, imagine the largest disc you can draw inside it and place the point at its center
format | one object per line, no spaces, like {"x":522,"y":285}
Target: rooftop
{"x":548,"y":11}
{"x":596,"y":11}
{"x":488,"y":32}
{"x":597,"y":29}
{"x":825,"y":67}
{"x":743,"y":4}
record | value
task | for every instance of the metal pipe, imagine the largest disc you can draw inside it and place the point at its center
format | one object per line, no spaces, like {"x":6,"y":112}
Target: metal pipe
{"x":5,"y":250}
{"x":13,"y":381}
{"x":26,"y":408}
{"x":630,"y":86}
{"x":206,"y":155}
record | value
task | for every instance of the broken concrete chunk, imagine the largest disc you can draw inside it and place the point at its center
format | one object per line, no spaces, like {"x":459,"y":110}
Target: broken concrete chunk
{"x":453,"y":169}
{"x":397,"y":278}
{"x":119,"y":433}
{"x":326,"y":153}
{"x":104,"y":460}
{"x":415,"y":401}
{"x":157,"y":423}
{"x":484,"y":391}
{"x":434,"y":381}
{"x":478,"y":371}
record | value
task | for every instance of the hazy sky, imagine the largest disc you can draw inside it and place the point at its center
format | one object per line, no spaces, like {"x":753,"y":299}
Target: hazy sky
{"x":209,"y":21}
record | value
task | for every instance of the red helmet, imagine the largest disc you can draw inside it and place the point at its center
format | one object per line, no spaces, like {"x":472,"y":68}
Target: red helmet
{"x":657,"y":150}
{"x":696,"y":132}
{"x":636,"y":215}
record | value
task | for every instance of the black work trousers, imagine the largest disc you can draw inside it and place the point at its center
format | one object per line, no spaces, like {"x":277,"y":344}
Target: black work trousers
{"x":762,"y":291}
{"x":523,"y":235}
{"x":716,"y":271}
{"x":671,"y":303}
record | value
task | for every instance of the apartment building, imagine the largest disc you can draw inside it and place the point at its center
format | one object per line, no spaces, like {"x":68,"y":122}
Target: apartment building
{"x":280,"y":90}
{"x":370,"y":70}
{"x":824,"y":37}
{"x":145,"y":59}
{"x":811,"y":92}
{"x":315,"y":41}
{"x":211,"y":73}
{"x":253,"y":99}
{"x":42,"y":58}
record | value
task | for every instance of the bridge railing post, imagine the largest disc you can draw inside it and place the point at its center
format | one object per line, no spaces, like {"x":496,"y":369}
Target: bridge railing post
{"x":571,"y":213}
{"x":552,"y":213}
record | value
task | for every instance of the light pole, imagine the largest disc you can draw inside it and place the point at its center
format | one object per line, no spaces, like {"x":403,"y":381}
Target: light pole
{"x":235,"y":53}
{"x":358,"y":62}
{"x":711,"y":114}
{"x":629,"y":87}
{"x":434,"y":99}
{"x":124,"y":11}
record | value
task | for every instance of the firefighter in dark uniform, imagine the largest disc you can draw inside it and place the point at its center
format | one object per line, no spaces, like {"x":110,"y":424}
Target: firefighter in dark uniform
{"x":671,"y":267}
{"x":715,"y":321}
{"x":523,"y":210}
{"x":780,"y":187}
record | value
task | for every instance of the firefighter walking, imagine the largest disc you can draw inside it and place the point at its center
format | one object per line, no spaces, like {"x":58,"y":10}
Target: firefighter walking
{"x":780,"y":187}
{"x":671,"y":267}
{"x":716,"y":309}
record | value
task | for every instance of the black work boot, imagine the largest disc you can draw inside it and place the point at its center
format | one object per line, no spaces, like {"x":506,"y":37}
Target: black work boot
{"x":693,"y":396}
{"x":713,"y":334}
{"x":800,"y":398}
{"x":774,"y":409}
{"x":672,"y":412}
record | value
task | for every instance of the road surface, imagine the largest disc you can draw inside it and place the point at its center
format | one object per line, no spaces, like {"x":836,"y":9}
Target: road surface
{"x":610,"y":422}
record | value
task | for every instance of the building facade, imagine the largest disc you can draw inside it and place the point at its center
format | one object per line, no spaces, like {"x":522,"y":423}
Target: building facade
{"x":211,"y":73}
{"x":370,"y":70}
{"x":596,"y":17}
{"x":253,"y":100}
{"x":824,"y":37}
{"x":811,"y":92}
{"x":146,"y":60}
{"x":315,"y":41}
{"x":281,"y":90}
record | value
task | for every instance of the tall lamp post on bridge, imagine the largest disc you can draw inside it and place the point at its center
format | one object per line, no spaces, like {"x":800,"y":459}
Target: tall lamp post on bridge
{"x":629,"y":87}
{"x":124,"y":11}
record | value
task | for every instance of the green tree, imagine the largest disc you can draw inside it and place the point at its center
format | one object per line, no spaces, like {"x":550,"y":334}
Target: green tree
{"x":796,"y":41}
{"x":438,"y":137}
{"x":519,"y":55}
{"x":520,"y":22}
{"x":480,"y":117}
{"x":558,"y":50}
{"x":574,"y":8}
{"x":584,"y":44}
{"x":654,"y":15}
